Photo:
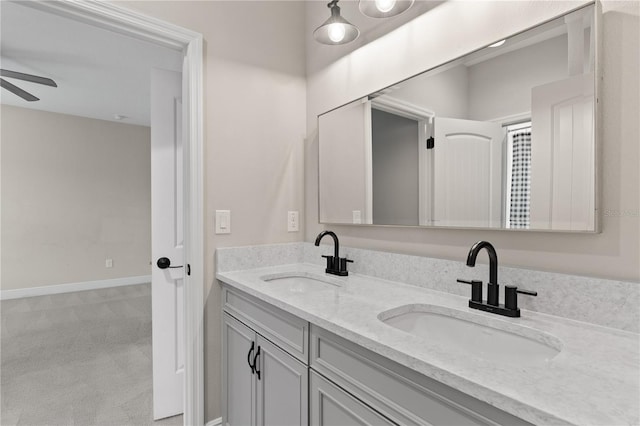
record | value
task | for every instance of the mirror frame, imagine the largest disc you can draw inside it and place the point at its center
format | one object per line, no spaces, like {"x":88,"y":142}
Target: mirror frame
{"x":597,"y":228}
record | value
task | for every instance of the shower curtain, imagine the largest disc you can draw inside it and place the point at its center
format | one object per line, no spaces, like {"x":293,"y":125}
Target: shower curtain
{"x":520,"y":197}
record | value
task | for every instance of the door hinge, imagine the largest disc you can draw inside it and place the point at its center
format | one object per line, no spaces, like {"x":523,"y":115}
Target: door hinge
{"x":431,"y":143}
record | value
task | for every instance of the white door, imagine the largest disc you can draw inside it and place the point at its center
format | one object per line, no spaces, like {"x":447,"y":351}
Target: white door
{"x":167,"y":292}
{"x":562,"y":157}
{"x":467,"y":173}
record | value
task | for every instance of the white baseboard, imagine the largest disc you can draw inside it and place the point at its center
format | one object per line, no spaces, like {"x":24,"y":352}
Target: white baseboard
{"x":67,"y":288}
{"x":215,"y":422}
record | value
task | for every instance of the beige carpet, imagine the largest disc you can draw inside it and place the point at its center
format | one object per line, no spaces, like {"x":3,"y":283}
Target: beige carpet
{"x":80,"y":358}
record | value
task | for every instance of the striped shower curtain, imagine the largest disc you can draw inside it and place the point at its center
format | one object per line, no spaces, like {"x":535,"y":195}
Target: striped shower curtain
{"x":520,"y":197}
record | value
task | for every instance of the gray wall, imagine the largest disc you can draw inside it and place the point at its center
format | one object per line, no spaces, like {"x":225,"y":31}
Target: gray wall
{"x":395,"y":169}
{"x":494,"y":88}
{"x":445,"y":93}
{"x":75,"y":191}
{"x":501,"y":86}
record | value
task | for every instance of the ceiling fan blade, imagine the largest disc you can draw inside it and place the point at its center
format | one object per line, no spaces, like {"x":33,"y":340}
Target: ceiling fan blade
{"x":28,"y":77}
{"x":17,"y":91}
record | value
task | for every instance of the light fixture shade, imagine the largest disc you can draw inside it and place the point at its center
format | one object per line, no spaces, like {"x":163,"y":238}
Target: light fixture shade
{"x":384,"y":8}
{"x":336,"y":29}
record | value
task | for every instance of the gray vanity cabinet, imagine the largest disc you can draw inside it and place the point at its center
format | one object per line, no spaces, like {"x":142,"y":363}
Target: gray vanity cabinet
{"x":263,"y":384}
{"x":303,"y":377}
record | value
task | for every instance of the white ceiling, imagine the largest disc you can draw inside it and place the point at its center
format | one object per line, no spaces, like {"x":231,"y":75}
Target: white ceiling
{"x":99,"y":73}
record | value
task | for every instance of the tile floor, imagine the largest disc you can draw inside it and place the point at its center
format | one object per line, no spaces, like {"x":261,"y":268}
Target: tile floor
{"x":80,"y":358}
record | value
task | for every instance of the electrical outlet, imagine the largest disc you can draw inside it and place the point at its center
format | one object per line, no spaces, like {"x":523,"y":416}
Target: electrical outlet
{"x":293,"y":221}
{"x":108,"y":263}
{"x":357,"y":216}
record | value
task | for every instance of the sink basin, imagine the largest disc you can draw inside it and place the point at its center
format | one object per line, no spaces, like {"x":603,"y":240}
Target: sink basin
{"x":480,"y":337}
{"x":302,"y":282}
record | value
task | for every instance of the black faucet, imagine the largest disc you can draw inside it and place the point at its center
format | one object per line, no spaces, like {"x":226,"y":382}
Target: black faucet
{"x":492,"y":287}
{"x":510,"y":308}
{"x":335,"y":264}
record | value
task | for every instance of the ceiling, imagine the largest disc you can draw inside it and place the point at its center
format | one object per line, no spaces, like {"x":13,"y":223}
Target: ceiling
{"x":99,"y":73}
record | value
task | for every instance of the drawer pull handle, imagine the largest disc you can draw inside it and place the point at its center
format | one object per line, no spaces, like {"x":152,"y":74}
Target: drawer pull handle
{"x":255,"y":362}
{"x":253,"y":366}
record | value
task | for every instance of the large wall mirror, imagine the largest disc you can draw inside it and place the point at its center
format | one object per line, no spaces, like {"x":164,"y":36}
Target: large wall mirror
{"x":501,"y":138}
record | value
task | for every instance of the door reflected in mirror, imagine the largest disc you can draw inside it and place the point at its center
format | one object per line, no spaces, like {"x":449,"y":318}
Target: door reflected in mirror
{"x":502,"y":138}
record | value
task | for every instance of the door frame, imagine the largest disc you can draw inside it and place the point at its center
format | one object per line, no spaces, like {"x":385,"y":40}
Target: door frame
{"x":425,"y":118}
{"x":135,"y":24}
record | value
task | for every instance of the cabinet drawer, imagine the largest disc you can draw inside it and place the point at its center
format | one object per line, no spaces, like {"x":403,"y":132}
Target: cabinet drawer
{"x":285,"y":330}
{"x":332,"y":406}
{"x":399,"y":393}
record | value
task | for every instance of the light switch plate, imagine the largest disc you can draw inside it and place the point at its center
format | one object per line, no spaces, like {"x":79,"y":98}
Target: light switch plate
{"x":223,"y":221}
{"x":293,"y":221}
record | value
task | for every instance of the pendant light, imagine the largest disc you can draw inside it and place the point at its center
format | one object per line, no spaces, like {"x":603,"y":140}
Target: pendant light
{"x":336,"y":29}
{"x":384,"y":8}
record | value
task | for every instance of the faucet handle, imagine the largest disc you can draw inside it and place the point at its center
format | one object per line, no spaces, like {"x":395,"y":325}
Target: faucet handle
{"x":330,"y":262}
{"x":343,"y":264}
{"x":511,"y":297}
{"x":527,"y":292}
{"x":476,"y":289}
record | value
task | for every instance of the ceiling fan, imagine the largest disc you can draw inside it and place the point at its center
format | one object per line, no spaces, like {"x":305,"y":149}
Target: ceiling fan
{"x":26,"y":77}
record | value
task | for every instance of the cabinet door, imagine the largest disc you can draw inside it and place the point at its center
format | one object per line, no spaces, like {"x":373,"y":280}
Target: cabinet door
{"x":332,"y":406}
{"x":282,"y":387}
{"x":239,"y":391}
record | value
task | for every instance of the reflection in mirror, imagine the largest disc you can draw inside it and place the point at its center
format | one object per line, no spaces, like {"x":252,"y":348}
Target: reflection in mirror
{"x":500,"y":138}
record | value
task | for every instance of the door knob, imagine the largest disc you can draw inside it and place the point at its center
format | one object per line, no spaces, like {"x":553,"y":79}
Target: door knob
{"x":164,"y":263}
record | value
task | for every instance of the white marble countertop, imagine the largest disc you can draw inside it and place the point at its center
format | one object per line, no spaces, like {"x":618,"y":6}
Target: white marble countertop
{"x":594,"y":380}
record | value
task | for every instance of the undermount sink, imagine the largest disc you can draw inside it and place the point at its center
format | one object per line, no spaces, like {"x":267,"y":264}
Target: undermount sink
{"x":302,"y":282}
{"x":480,"y":337}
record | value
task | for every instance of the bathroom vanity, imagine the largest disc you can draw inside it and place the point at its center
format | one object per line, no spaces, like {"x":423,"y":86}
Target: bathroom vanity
{"x":301,"y":347}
